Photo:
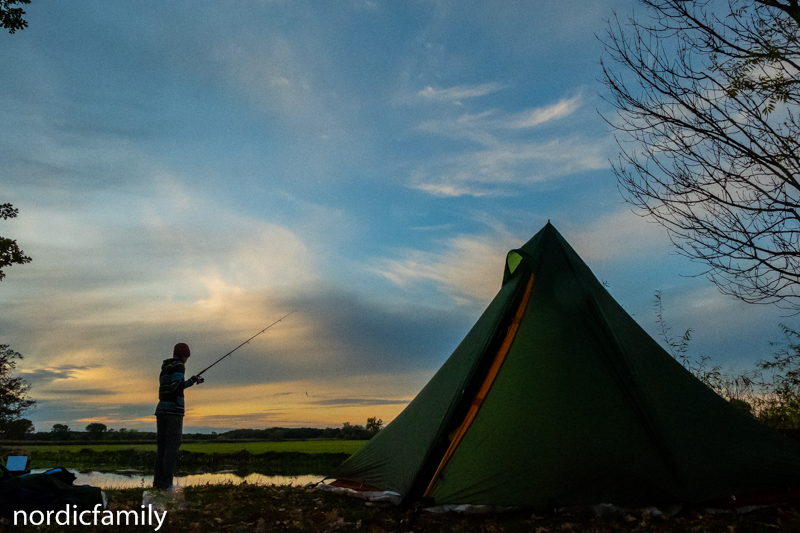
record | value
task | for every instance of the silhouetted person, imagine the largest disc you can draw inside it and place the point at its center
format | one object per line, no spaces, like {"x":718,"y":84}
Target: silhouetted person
{"x":169,"y":414}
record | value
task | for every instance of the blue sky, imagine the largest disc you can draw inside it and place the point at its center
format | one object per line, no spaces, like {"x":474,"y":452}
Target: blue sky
{"x":192,"y":171}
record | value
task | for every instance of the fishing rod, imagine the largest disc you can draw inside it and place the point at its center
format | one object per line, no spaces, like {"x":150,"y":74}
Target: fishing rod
{"x":245,"y":342}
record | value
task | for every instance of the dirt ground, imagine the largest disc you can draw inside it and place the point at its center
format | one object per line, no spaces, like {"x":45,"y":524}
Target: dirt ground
{"x":250,"y":508}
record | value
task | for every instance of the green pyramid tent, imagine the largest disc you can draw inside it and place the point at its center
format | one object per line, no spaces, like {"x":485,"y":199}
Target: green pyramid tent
{"x":556,"y":397}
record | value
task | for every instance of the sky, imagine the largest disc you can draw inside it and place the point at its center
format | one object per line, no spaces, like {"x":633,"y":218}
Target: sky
{"x":192,"y":171}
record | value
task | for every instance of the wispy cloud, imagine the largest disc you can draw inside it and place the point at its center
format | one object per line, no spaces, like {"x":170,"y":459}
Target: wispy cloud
{"x":48,"y":375}
{"x":83,"y":392}
{"x":359,"y":401}
{"x":315,"y":402}
{"x":620,"y":235}
{"x":451,"y":189}
{"x":540,"y":115}
{"x":487,"y":127}
{"x":467,"y":267}
{"x":459,"y":92}
{"x":274,"y":76}
{"x":511,"y":151}
{"x":496,"y":170}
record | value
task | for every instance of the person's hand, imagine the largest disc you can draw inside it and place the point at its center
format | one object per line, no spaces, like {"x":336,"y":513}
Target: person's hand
{"x":198,"y":379}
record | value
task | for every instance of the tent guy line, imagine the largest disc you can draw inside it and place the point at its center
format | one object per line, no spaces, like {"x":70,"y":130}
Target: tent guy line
{"x":245,"y":342}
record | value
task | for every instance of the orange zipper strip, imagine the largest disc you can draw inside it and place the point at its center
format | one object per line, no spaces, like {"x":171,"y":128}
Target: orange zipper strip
{"x":484,"y":390}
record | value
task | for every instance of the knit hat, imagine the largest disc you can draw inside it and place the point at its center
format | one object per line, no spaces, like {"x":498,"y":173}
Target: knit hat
{"x":181,"y":350}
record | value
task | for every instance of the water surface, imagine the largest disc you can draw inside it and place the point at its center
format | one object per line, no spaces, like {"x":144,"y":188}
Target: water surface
{"x":133,"y":480}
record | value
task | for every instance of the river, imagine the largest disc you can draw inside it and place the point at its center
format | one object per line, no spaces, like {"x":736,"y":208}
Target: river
{"x":132,"y":480}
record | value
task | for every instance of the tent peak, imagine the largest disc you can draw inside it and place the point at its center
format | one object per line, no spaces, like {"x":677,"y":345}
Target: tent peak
{"x":532,"y":251}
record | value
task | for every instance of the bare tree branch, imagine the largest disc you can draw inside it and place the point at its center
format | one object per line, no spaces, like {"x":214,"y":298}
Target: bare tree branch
{"x":707,"y":95}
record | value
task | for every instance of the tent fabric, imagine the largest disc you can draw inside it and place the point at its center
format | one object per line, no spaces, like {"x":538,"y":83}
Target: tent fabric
{"x":397,"y":456}
{"x":488,"y":381}
{"x":585,"y":408}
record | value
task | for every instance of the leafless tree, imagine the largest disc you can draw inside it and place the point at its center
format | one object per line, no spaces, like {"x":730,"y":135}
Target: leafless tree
{"x":707,"y":94}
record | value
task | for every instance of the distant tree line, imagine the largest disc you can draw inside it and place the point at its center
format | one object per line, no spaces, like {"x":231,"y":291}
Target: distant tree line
{"x":23,"y":429}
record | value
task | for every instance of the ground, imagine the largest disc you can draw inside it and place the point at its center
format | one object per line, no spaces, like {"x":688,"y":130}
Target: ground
{"x":249,"y":508}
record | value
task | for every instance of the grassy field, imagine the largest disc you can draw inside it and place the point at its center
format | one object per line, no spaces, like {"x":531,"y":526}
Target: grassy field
{"x":308,"y":446}
{"x":268,"y":458}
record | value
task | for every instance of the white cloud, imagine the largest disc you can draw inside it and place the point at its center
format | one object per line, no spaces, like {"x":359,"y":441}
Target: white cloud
{"x":491,"y":172}
{"x":486,"y":127}
{"x":619,"y":235}
{"x":271,"y":74}
{"x":459,"y":92}
{"x":513,"y":151}
{"x":730,"y":332}
{"x":148,"y":258}
{"x":540,"y":115}
{"x":279,"y":76}
{"x":172,"y":187}
{"x":467,"y":267}
{"x":450,"y":190}
{"x":477,"y":127}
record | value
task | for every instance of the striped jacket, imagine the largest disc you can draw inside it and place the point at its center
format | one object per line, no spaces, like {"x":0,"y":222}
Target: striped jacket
{"x":170,"y":388}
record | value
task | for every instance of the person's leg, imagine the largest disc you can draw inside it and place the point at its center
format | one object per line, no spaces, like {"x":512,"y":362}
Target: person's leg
{"x":173,"y":433}
{"x":161,"y":441}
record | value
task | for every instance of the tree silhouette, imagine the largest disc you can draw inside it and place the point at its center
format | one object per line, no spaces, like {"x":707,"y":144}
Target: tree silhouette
{"x":96,"y":430}
{"x":707,"y":96}
{"x":11,"y":17}
{"x":14,"y":400}
{"x":10,"y":253}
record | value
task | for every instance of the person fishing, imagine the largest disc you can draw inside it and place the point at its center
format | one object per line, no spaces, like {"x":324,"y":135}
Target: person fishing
{"x":169,"y":414}
{"x":170,"y":409}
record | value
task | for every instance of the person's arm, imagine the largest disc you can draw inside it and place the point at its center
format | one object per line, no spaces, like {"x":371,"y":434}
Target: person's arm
{"x":178,"y":383}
